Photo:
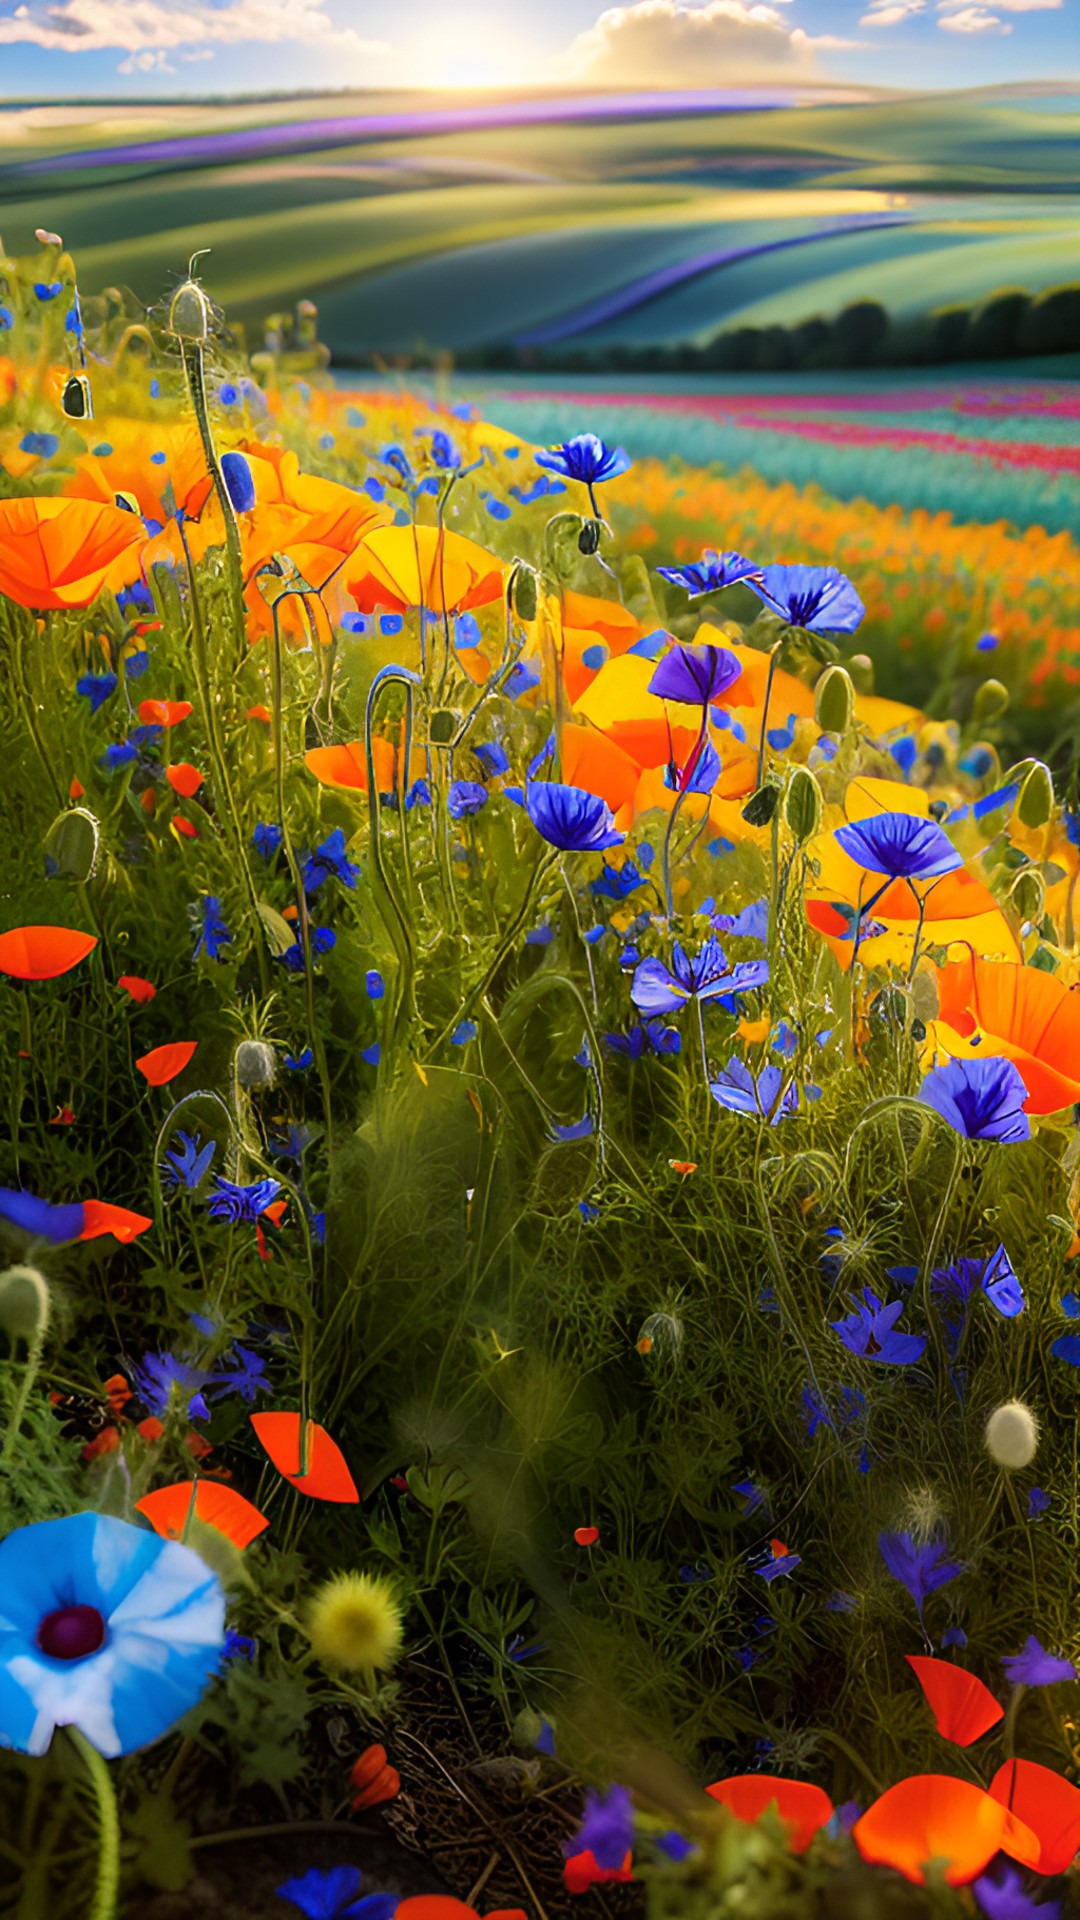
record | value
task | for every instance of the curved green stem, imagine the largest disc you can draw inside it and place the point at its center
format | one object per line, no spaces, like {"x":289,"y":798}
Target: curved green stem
{"x":386,"y":899}
{"x":108,"y":1874}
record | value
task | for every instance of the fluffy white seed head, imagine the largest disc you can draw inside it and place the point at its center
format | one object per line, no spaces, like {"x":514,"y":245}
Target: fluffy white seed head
{"x":255,"y":1064}
{"x":1012,"y":1435}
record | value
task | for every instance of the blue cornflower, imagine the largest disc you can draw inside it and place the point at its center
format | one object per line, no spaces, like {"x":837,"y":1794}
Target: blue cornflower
{"x":1005,"y":1896}
{"x":870,"y":1331}
{"x":245,"y":1375}
{"x":606,"y":1830}
{"x":576,"y":1130}
{"x":239,"y":485}
{"x":587,"y":459}
{"x":295,"y":1144}
{"x":1035,"y":1667}
{"x":299,"y":1062}
{"x":42,"y":444}
{"x":375,"y":984}
{"x":981,"y":1099}
{"x":921,"y":1569}
{"x":710,"y":573}
{"x":818,"y":599}
{"x":616,"y":883}
{"x":97,"y":688}
{"x":464,"y":1032}
{"x":751,"y":1495}
{"x":736,"y":1089}
{"x":645,"y":1036}
{"x":571,"y":819}
{"x":815,"y":1412}
{"x":465,"y":798}
{"x":48,"y":289}
{"x":776,"y":1562}
{"x":706,"y":975}
{"x":120,"y":754}
{"x":750,"y":923}
{"x":236,"y":1203}
{"x":238,"y":1646}
{"x":7,"y":319}
{"x":321,"y":940}
{"x":331,"y":1894}
{"x":329,"y":862}
{"x":266,"y":839}
{"x":900,"y":846}
{"x":162,"y":1375}
{"x":995,"y":1275}
{"x":213,"y":933}
{"x":493,"y":758}
{"x":188,"y":1164}
{"x":1038,"y":1502}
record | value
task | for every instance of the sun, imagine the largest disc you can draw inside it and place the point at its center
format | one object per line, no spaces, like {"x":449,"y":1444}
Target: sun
{"x":467,"y":55}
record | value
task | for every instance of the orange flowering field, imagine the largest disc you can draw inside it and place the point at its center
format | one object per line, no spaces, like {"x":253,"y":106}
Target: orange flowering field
{"x":539,"y":1170}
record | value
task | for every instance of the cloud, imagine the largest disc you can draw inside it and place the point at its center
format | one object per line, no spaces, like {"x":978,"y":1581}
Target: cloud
{"x":160,"y":26}
{"x":891,"y":15}
{"x":665,"y":43}
{"x":972,"y":20}
{"x":146,"y":63}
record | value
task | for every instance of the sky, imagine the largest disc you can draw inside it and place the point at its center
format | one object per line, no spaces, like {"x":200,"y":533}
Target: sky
{"x":137,"y":48}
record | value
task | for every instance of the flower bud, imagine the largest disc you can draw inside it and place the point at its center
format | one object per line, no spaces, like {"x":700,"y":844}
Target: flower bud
{"x":990,"y":702}
{"x":861,"y":672}
{"x":834,"y":700}
{"x":254,"y":1064}
{"x":190,"y":312}
{"x":1036,"y":800}
{"x":24,"y":1303}
{"x":1012,"y":1436}
{"x":802,"y":805}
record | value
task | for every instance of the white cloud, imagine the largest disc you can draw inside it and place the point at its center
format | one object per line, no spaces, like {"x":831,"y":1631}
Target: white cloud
{"x":160,"y":26}
{"x":891,"y":16}
{"x":666,"y":43}
{"x":146,"y":63}
{"x":972,"y":20}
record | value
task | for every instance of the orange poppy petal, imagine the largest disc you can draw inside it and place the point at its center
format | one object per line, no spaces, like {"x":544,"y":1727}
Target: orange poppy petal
{"x":140,"y":990}
{"x":435,"y":1906}
{"x":170,"y":1508}
{"x":932,"y":1816}
{"x":100,"y":1216}
{"x":1047,"y":1804}
{"x":803,"y":1808}
{"x":327,"y":1476}
{"x":163,"y":713}
{"x":43,"y":953}
{"x":184,"y":779}
{"x":162,"y":1064}
{"x":963,"y":1708}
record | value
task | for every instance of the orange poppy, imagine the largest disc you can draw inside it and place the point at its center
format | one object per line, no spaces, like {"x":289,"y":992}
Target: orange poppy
{"x":802,"y":1808}
{"x":187,"y":827}
{"x":58,"y":553}
{"x":129,"y":468}
{"x":372,"y":1780}
{"x":592,"y":761}
{"x":43,"y":953}
{"x":396,"y":568}
{"x":962,"y":1707}
{"x":932,"y":1816}
{"x":1047,"y":1804}
{"x":170,"y":1508}
{"x":1021,"y":1012}
{"x":327,"y":1476}
{"x":162,"y":1064}
{"x":335,"y":516}
{"x":100,"y":1216}
{"x":586,"y":1536}
{"x":259,"y":713}
{"x":346,"y":765}
{"x":163,"y":713}
{"x":184,"y":779}
{"x":436,"y":1906}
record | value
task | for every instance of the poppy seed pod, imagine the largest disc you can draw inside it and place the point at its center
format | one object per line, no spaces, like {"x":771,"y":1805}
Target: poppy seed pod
{"x":802,"y":805}
{"x":834,"y":700}
{"x":254,"y":1064}
{"x":990,"y":702}
{"x":1012,"y":1436}
{"x":24,"y":1303}
{"x":190,"y":312}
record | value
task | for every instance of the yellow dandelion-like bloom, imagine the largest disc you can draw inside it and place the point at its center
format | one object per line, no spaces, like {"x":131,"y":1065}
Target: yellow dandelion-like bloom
{"x":355,"y":1622}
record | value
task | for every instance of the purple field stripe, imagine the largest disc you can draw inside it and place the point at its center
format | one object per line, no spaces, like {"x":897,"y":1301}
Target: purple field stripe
{"x":626,"y":299}
{"x":249,"y":142}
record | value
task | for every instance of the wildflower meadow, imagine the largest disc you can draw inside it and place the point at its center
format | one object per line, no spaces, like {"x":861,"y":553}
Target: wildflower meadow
{"x":539,"y":1179}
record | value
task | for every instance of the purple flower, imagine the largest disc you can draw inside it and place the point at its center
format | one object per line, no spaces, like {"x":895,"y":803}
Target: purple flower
{"x":710,"y":573}
{"x":571,"y":819}
{"x":901,"y":845}
{"x":706,"y":975}
{"x":776,"y":1561}
{"x":587,"y":459}
{"x":606,"y":1830}
{"x":329,"y":862}
{"x":266,"y":839}
{"x":465,"y":798}
{"x":982,"y":1099}
{"x":238,"y":1646}
{"x":97,"y":688}
{"x":1038,"y":1502}
{"x":1006,"y":1898}
{"x":162,"y":1374}
{"x":694,"y":676}
{"x":648,"y":1036}
{"x":213,"y":934}
{"x":237,"y":1203}
{"x":321,"y":940}
{"x":818,"y":599}
{"x":737,"y":1090}
{"x":870,"y":1332}
{"x":921,"y":1569}
{"x":1035,"y":1667}
{"x":616,"y":883}
{"x":187,"y":1164}
{"x":995,"y":1275}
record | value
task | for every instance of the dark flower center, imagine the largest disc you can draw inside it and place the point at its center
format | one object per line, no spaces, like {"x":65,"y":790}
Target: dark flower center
{"x":71,"y":1633}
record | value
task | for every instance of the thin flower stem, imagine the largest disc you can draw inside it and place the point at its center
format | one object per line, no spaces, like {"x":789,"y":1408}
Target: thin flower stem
{"x":774,"y":660}
{"x":665,"y":857}
{"x":108,"y":1874}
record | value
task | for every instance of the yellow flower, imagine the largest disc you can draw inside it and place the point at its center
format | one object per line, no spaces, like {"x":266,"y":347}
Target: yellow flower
{"x":355,"y":1622}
